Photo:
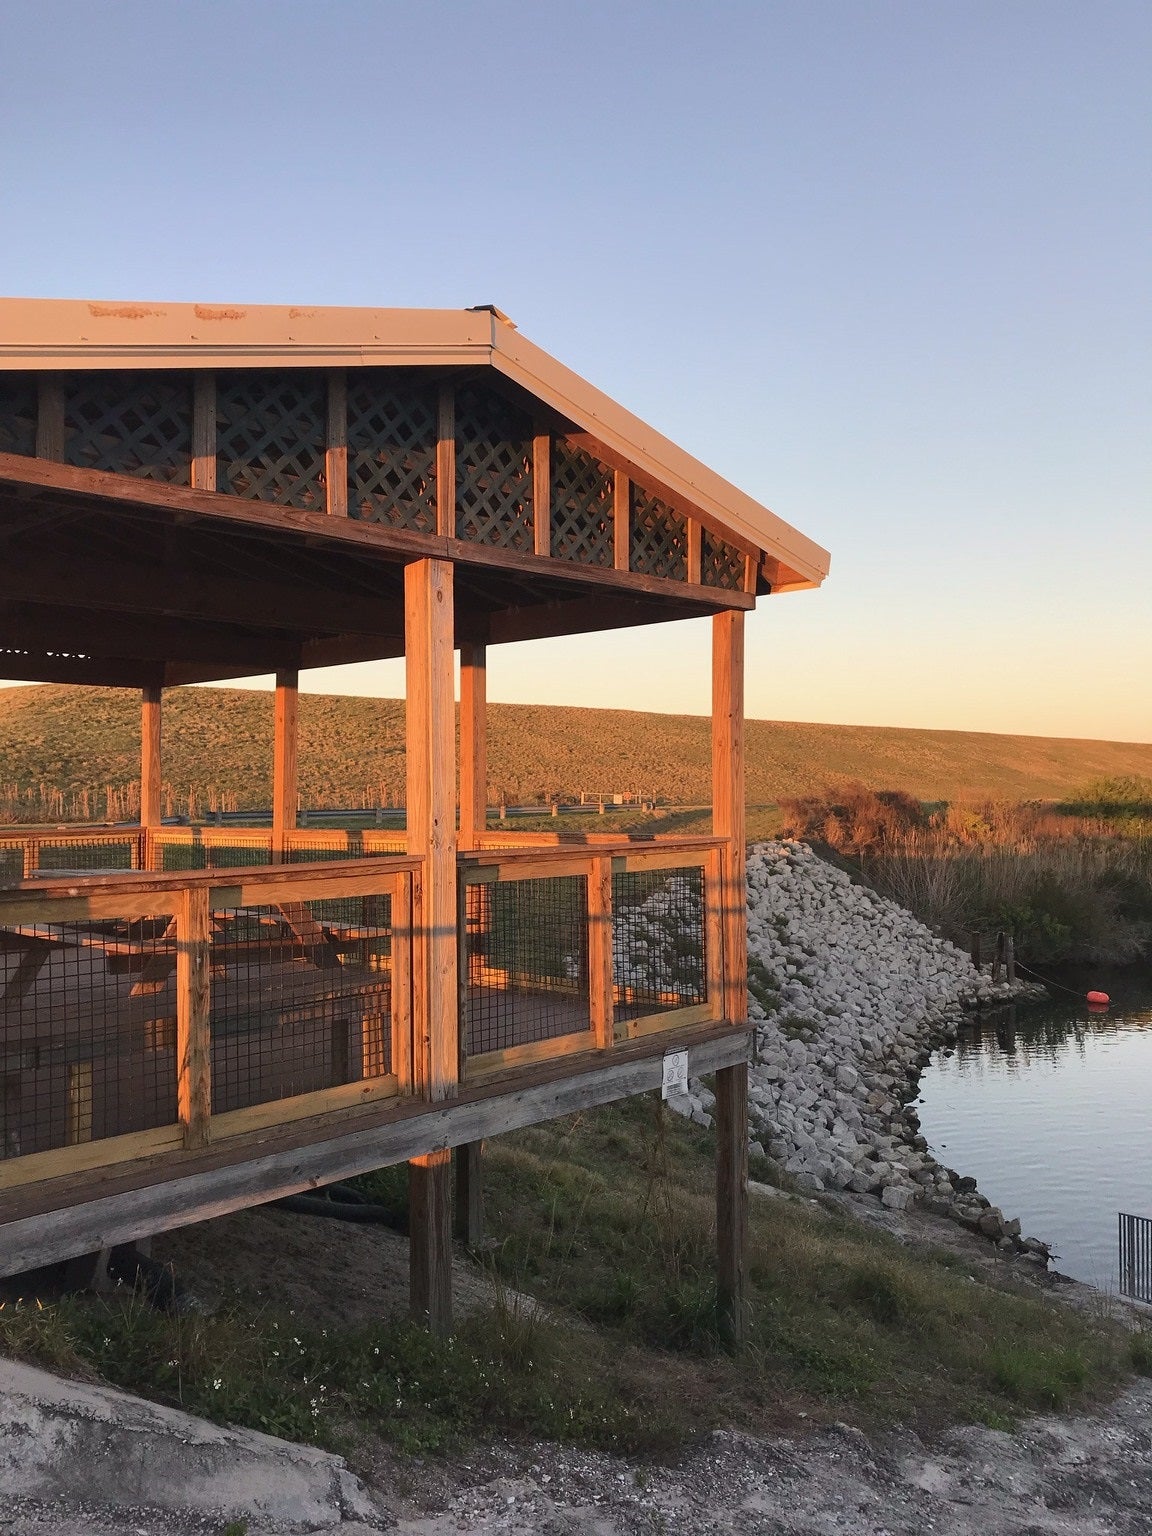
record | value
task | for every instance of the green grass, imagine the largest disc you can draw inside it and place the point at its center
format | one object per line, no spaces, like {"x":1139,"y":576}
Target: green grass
{"x":73,"y":742}
{"x":607,"y":1218}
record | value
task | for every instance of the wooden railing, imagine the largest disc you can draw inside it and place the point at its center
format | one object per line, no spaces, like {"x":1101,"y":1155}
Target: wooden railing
{"x":564,"y":950}
{"x":24,"y":854}
{"x":142,"y":1013}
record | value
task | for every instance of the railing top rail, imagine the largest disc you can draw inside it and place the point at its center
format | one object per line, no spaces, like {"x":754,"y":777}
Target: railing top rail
{"x":135,"y":882}
{"x":513,"y":844}
{"x":101,"y":834}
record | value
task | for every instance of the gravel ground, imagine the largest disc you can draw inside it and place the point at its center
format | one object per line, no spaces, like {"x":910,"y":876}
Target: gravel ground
{"x":1081,"y":1476}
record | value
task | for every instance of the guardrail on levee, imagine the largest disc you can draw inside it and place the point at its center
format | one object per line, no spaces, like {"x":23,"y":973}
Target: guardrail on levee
{"x":142,"y":1012}
{"x":566,"y":949}
{"x":26,"y":854}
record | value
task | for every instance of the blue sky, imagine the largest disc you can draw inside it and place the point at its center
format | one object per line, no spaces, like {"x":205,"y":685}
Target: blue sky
{"x":884,"y":265}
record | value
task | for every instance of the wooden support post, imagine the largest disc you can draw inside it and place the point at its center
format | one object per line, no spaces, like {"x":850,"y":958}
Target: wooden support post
{"x":204,"y":431}
{"x":468,"y":1218}
{"x":446,"y":463}
{"x":50,"y":417}
{"x":431,"y":796}
{"x":731,"y":1082}
{"x":284,"y":760}
{"x":622,"y":519}
{"x":336,"y":455}
{"x":542,"y":493}
{"x":150,"y":767}
{"x":193,"y":1003}
{"x":1010,"y":959}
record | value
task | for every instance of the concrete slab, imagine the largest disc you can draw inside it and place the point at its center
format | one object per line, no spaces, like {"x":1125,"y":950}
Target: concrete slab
{"x":75,"y":1443}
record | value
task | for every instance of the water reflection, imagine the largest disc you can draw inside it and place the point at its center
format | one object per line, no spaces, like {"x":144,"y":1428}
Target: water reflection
{"x":1050,"y":1107}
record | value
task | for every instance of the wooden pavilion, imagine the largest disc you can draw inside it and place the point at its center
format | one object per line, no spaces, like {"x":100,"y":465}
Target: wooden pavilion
{"x":198,"y":1020}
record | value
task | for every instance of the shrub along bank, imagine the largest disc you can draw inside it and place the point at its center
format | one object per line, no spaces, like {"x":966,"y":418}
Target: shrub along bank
{"x":1071,"y":881}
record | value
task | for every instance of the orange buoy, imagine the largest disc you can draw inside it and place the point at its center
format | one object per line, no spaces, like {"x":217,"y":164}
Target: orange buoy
{"x":1099,"y":999}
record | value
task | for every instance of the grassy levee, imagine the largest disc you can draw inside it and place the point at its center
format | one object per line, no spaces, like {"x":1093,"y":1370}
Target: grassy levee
{"x":59,"y":745}
{"x":607,"y":1219}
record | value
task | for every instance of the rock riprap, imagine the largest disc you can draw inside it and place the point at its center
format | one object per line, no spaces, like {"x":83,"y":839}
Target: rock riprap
{"x":850,"y":995}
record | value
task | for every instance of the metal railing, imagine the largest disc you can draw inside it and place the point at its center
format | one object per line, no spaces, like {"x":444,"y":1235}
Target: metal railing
{"x":564,"y":950}
{"x":1135,"y":1240}
{"x":141,"y":1013}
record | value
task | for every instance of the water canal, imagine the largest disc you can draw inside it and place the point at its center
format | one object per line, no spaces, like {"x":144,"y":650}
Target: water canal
{"x":1050,"y":1108}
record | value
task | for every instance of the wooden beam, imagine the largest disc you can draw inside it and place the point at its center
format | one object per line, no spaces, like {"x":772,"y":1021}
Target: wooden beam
{"x":96,"y":671}
{"x":123,"y":493}
{"x":203,"y":430}
{"x":91,"y":632}
{"x":585,"y":614}
{"x":50,"y":417}
{"x":473,"y":744}
{"x":68,"y":1223}
{"x":284,"y":750}
{"x":542,"y":493}
{"x":336,"y":455}
{"x":446,"y":462}
{"x":732,"y":1082}
{"x":151,"y":769}
{"x":138,"y":587}
{"x":193,"y":1030}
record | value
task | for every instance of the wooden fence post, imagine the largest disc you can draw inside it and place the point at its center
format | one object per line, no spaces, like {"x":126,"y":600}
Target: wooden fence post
{"x":193,"y":1002}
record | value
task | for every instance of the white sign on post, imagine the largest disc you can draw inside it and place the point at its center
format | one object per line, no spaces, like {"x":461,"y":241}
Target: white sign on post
{"x":675,"y":1073}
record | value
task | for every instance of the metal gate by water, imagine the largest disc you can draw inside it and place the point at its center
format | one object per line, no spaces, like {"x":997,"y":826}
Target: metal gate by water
{"x":1136,"y":1256}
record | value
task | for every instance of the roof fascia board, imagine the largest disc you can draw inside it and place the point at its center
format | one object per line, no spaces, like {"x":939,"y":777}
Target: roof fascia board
{"x":567,"y":392}
{"x":72,"y":333}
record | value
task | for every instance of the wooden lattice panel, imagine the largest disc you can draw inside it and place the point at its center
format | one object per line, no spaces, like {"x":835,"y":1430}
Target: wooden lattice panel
{"x":272,"y":431}
{"x":392,"y":452}
{"x":721,"y":564}
{"x":659,"y":542}
{"x":131,"y":424}
{"x":582,"y":525}
{"x":493,"y":471}
{"x":18,"y":413}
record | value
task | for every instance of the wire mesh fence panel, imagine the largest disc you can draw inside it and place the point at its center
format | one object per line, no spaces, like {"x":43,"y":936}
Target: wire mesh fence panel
{"x":659,"y":960}
{"x":301,"y":998}
{"x":87,"y":1031}
{"x":72,"y":852}
{"x":525,"y":962}
{"x":12,"y":855}
{"x":197,"y":854}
